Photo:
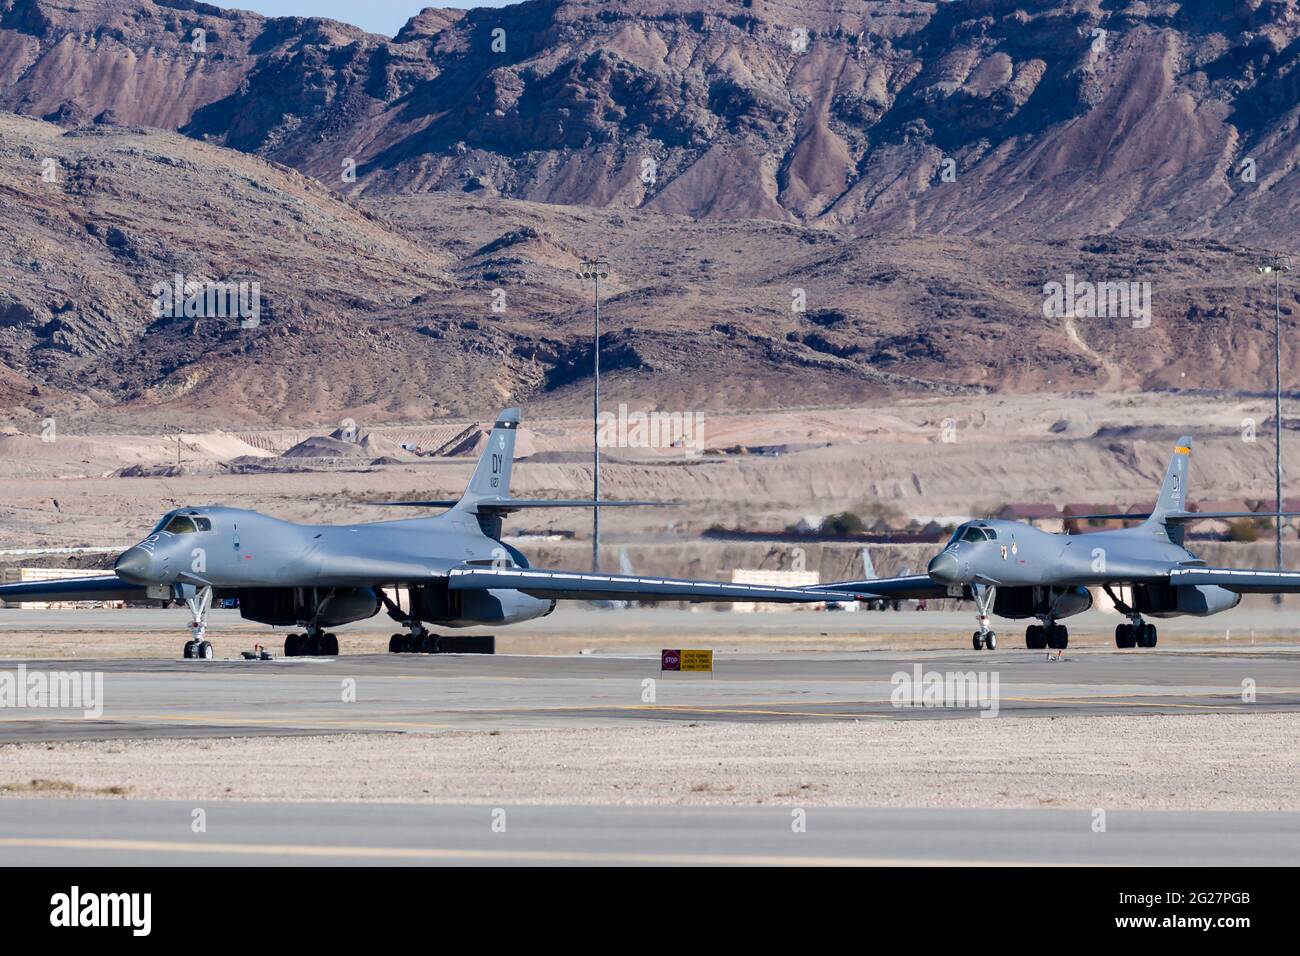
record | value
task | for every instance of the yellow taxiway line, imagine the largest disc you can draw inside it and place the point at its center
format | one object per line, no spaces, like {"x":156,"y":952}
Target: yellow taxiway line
{"x":447,"y":853}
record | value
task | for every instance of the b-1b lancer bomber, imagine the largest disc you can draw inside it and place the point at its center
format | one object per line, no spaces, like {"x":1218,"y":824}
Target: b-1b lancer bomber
{"x":1020,"y":572}
{"x":454,"y":567}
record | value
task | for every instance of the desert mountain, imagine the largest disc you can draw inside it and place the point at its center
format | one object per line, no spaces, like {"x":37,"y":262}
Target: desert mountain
{"x":406,"y":307}
{"x":1050,"y":118}
{"x":797,"y":243}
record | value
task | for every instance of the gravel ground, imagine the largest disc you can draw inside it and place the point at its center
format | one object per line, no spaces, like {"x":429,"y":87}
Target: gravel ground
{"x":1216,"y":762}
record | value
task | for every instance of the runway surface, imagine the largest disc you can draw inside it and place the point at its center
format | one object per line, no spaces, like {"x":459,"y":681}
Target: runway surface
{"x":1256,"y":620}
{"x":418,"y":693}
{"x":99,"y":832}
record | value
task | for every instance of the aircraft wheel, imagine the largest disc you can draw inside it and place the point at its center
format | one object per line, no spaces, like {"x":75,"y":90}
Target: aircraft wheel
{"x":395,"y":644}
{"x":1151,"y":641}
{"x":428,"y":644}
{"x":188,"y":653}
{"x":291,"y":645}
{"x":1148,"y":636}
{"x":1124,"y":636}
{"x":204,"y":650}
{"x":1057,"y":637}
{"x":976,"y":641}
{"x":329,"y":645}
{"x":990,"y":641}
{"x":410,"y":644}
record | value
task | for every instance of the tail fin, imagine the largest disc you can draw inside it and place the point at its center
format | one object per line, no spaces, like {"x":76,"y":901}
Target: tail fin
{"x":1172,"y":499}
{"x":868,"y":568}
{"x":488,"y":493}
{"x":491,"y":478}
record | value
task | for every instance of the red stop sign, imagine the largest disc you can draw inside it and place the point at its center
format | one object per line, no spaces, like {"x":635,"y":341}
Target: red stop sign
{"x":670,"y":660}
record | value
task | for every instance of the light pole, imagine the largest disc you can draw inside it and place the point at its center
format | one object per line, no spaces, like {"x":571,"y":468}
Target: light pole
{"x":1275,"y":268}
{"x":595,"y":269}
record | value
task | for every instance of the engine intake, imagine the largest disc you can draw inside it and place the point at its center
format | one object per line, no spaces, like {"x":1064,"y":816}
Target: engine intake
{"x":1059,"y":602}
{"x":328,"y":607}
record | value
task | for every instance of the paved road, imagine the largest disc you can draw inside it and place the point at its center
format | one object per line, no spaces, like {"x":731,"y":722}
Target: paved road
{"x":1255,"y":618}
{"x":106,"y":832}
{"x":417,"y":693}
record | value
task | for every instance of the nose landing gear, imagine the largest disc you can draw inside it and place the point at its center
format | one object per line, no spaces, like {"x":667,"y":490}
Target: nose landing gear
{"x":984,"y":638}
{"x":197,"y":647}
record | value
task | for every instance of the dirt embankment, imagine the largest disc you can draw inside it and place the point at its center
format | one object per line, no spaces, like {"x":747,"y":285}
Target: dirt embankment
{"x":1184,"y":762}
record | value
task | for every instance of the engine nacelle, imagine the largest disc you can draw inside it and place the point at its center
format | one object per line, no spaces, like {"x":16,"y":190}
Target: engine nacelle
{"x":1202,"y":600}
{"x":439,"y":604}
{"x":327,"y":607}
{"x":1059,"y":602}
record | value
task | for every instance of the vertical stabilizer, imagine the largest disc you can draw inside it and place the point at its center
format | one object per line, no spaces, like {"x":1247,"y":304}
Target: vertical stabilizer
{"x":491,"y":478}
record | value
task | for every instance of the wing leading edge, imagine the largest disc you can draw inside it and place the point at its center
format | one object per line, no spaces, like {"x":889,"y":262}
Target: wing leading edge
{"x":579,"y":586}
{"x":98,"y":588}
{"x":1240,"y":580}
{"x":907,"y":587}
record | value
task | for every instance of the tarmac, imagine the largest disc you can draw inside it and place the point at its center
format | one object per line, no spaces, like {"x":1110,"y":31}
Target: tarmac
{"x":144,"y":832}
{"x":428,"y":693}
{"x":1254,"y":667}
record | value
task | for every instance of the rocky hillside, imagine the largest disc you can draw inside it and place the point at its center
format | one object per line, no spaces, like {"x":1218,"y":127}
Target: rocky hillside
{"x":1051,"y":118}
{"x":400,"y":307}
{"x":814,"y":203}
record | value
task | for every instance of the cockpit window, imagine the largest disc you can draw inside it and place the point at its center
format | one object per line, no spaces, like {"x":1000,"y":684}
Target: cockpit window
{"x":974,"y":534}
{"x":183,"y":524}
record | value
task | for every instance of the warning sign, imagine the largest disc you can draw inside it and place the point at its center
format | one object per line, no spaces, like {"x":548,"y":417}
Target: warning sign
{"x":686,"y":660}
{"x":697,"y":660}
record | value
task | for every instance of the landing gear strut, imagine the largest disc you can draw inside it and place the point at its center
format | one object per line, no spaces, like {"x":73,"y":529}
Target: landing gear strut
{"x":315,"y":643}
{"x":1137,"y":633}
{"x":984,"y":638}
{"x":1048,"y":634}
{"x":197,"y":646}
{"x":418,"y":640}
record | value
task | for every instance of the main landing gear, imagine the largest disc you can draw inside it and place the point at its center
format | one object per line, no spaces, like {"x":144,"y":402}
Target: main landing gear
{"x":1137,"y":633}
{"x":1053,"y":635}
{"x":197,"y":646}
{"x":314,"y":643}
{"x":417,"y":640}
{"x":984,"y":638}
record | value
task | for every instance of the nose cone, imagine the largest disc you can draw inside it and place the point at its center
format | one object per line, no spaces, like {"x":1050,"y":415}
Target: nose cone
{"x":943,"y":568}
{"x":134,"y":565}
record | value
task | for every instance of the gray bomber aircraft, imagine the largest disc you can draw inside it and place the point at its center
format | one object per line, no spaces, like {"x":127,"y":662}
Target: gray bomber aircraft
{"x":1016,"y":571}
{"x":455,"y":567}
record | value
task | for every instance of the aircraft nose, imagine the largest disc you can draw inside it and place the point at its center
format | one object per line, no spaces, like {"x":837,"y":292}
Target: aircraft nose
{"x":134,"y":565}
{"x":943,"y":568}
